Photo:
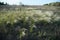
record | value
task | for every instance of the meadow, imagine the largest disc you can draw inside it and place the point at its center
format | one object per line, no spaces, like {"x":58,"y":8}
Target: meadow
{"x":30,"y":24}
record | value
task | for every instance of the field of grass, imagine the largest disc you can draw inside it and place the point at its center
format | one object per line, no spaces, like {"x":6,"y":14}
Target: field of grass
{"x":25,"y":24}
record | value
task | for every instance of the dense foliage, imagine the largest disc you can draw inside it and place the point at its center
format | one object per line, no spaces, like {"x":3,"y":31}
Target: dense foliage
{"x":2,"y":3}
{"x":26,"y":24}
{"x":53,"y":4}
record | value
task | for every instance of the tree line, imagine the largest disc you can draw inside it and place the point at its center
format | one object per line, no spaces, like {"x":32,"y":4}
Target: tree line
{"x":53,"y":4}
{"x":2,"y":3}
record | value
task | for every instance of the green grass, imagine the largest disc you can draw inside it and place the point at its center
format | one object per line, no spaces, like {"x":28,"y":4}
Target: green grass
{"x":36,"y":24}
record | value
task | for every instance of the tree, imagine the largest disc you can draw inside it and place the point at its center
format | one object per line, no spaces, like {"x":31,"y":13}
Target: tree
{"x":21,"y":4}
{"x":2,"y":3}
{"x":53,"y":4}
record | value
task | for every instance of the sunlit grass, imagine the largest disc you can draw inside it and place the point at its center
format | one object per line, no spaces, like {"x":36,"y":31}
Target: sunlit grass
{"x":28,"y":19}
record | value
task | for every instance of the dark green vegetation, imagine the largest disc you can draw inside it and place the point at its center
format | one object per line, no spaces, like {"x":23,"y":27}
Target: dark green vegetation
{"x":54,"y":4}
{"x":30,"y":24}
{"x":2,"y":3}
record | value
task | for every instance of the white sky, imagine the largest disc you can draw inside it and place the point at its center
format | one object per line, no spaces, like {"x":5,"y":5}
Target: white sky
{"x":28,"y":2}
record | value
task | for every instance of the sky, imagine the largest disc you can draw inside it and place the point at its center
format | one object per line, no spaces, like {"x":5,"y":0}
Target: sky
{"x":28,"y":2}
